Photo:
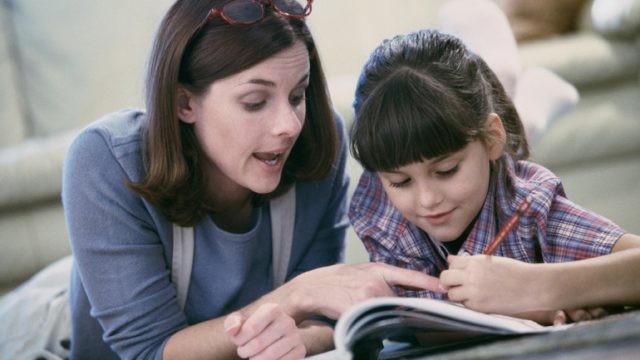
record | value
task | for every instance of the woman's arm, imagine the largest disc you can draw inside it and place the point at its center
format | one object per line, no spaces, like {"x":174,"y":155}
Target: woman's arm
{"x":326,"y":291}
{"x":503,"y":285}
{"x":269,"y":333}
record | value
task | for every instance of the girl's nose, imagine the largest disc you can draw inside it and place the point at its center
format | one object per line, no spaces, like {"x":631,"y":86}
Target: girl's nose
{"x":429,"y":196}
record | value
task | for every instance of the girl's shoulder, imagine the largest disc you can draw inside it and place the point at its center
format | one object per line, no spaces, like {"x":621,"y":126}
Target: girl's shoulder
{"x":534,"y":172}
{"x":530,"y":177}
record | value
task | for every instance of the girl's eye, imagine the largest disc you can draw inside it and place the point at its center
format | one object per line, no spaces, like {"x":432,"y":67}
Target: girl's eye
{"x":254,"y":106}
{"x":447,"y":173}
{"x":399,"y":184}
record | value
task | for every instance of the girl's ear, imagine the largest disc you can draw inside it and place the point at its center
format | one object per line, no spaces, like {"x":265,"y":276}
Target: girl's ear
{"x":496,"y":136}
{"x":186,"y":105}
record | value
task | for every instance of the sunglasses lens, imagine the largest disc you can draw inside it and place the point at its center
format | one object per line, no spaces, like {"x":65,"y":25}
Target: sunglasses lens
{"x":243,"y":11}
{"x":292,"y":7}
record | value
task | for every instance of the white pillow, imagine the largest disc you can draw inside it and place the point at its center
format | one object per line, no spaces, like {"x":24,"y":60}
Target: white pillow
{"x":616,"y":17}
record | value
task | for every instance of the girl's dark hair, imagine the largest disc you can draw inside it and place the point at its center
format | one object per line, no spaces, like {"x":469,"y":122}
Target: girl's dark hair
{"x":193,"y":52}
{"x":424,"y":95}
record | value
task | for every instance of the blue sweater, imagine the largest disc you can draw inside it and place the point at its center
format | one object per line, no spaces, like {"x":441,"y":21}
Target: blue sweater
{"x":122,"y":299}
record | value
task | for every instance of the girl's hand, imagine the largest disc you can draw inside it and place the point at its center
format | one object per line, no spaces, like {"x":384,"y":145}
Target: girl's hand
{"x":333,"y":289}
{"x":492,"y":284}
{"x":562,"y":317}
{"x":268,"y":333}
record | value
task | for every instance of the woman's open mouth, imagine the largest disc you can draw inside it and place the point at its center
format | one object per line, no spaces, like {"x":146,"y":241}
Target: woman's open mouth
{"x":269,"y":158}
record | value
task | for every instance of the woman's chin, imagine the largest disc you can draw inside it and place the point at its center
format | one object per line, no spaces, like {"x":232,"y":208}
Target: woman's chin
{"x":265,"y":187}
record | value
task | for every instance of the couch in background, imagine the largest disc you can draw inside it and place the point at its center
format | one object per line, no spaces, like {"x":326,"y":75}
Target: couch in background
{"x":62,"y":64}
{"x":66,"y":63}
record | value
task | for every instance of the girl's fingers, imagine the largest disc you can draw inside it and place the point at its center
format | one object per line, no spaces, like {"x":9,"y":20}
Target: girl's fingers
{"x":598,"y":312}
{"x":559,"y":318}
{"x":451,"y":278}
{"x":462,"y":262}
{"x":457,"y":262}
{"x":457,"y":294}
{"x":574,"y":315}
{"x":579,"y":315}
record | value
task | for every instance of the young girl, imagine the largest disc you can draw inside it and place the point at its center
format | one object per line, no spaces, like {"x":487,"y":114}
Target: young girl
{"x":445,"y":160}
{"x":237,"y":115}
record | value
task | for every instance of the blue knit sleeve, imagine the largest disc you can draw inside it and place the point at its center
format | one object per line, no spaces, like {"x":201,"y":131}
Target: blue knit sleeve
{"x":118,"y":251}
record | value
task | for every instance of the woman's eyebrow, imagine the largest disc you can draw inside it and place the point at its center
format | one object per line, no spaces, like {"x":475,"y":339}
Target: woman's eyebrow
{"x":263,"y":82}
{"x":304,"y":78}
{"x":270,"y":83}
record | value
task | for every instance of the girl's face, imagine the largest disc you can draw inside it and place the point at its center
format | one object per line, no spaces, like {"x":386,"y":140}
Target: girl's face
{"x":248,"y":123}
{"x":442,"y":196}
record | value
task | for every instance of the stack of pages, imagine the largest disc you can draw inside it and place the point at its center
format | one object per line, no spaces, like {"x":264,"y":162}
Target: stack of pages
{"x":394,"y":327}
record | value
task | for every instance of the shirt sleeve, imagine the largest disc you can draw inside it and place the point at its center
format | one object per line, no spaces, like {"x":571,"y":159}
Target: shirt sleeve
{"x":118,"y":251}
{"x":572,"y":232}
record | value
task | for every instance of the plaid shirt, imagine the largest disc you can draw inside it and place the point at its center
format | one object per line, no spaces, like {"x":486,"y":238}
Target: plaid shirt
{"x":553,"y":229}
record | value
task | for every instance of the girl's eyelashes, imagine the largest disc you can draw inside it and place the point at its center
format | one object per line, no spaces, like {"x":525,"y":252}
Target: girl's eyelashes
{"x":441,"y":174}
{"x":449,"y":172}
{"x":399,"y":184}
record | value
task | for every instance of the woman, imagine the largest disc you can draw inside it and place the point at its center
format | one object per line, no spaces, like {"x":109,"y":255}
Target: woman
{"x":237,"y":114}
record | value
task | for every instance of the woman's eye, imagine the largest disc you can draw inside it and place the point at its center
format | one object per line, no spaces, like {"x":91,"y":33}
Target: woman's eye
{"x":254,"y":106}
{"x":297,"y":99}
{"x":399,"y":184}
{"x":448,"y":173}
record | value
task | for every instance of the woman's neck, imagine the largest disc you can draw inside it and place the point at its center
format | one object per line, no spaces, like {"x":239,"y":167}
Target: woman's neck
{"x":235,"y":220}
{"x":230,"y":207}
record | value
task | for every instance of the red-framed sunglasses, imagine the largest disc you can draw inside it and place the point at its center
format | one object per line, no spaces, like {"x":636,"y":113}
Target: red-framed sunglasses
{"x":247,"y":12}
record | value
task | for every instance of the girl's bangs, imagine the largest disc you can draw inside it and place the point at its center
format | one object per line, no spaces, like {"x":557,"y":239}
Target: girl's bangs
{"x":405,"y":121}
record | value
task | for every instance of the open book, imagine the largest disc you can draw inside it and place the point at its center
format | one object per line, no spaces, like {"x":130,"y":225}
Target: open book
{"x":415,"y":326}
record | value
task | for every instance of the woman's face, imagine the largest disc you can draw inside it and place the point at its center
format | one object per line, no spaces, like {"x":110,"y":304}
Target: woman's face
{"x":442,"y":196}
{"x":248,"y":123}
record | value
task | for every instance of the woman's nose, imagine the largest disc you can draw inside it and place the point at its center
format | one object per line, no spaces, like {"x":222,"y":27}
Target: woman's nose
{"x":288,"y":121}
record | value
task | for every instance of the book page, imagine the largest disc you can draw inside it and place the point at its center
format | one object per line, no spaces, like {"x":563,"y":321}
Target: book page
{"x":435,"y":320}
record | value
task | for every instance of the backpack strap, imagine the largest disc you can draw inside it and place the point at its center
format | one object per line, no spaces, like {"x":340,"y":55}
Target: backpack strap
{"x":182,"y":261}
{"x":283,"y":214}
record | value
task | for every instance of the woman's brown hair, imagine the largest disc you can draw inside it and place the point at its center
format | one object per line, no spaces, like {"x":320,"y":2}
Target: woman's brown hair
{"x":193,"y":52}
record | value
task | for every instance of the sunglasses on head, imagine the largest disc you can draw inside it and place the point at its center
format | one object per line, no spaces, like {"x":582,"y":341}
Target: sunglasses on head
{"x":247,"y":12}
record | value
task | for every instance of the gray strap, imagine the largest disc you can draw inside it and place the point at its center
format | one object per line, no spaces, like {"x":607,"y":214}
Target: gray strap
{"x":182,"y":261}
{"x":283,"y":215}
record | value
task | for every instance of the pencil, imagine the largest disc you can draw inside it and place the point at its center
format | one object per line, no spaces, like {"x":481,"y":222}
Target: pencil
{"x":513,"y":221}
